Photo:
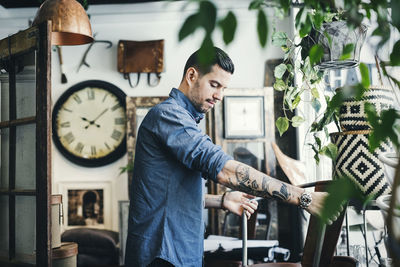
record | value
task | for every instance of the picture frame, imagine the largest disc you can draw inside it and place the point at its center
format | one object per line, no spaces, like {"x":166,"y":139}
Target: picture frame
{"x":244,"y":117}
{"x":86,"y":204}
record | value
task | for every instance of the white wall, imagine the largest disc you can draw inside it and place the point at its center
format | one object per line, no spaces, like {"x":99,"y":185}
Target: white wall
{"x":145,"y":21}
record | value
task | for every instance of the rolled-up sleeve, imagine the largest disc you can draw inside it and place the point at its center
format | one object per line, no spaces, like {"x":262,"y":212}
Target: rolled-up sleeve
{"x":194,"y":149}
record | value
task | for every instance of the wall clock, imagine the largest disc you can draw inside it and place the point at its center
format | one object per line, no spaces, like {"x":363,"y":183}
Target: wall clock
{"x":89,"y":123}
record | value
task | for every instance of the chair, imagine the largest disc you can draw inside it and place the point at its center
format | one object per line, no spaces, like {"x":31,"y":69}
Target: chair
{"x":96,"y":247}
{"x":324,"y":241}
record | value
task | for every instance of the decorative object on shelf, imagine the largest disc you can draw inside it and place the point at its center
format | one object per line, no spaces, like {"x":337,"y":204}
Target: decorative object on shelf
{"x":83,"y":60}
{"x":244,"y":117}
{"x":141,"y":57}
{"x":71,"y":25}
{"x":352,"y":115}
{"x":89,"y":123}
{"x":355,"y":161}
{"x":336,"y":38}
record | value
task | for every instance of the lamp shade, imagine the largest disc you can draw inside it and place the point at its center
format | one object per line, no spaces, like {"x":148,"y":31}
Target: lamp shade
{"x":70,"y":23}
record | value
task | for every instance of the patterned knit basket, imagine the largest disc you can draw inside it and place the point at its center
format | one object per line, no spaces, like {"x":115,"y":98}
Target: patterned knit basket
{"x":355,"y":161}
{"x":352,"y":115}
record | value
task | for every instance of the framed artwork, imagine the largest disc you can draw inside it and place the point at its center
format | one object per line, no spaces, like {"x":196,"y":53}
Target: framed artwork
{"x":86,"y":205}
{"x":244,"y":117}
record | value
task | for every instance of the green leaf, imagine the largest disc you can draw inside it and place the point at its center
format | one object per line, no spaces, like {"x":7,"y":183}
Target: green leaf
{"x":364,"y":75}
{"x":189,"y":26}
{"x":296,"y":102}
{"x":256,"y":4}
{"x":340,"y":192}
{"x":305,"y":28}
{"x":395,"y":55}
{"x":279,"y":85}
{"x":300,"y":17}
{"x":262,"y":27}
{"x":314,"y":92}
{"x":282,"y":123}
{"x":206,"y":51}
{"x":316,"y":105}
{"x":228,"y":26}
{"x":279,"y":39}
{"x":280,"y":70}
{"x":330,"y":151}
{"x":316,"y":53}
{"x":297,"y":121}
{"x":208,"y":15}
{"x":318,"y":19}
{"x":395,"y":5}
{"x":347,"y":51}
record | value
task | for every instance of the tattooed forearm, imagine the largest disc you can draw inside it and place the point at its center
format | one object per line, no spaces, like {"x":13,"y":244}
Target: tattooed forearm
{"x":244,"y":182}
{"x":242,"y":177}
{"x":282,"y":194}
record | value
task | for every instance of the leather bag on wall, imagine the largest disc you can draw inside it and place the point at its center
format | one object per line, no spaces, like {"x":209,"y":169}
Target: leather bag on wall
{"x":141,"y":57}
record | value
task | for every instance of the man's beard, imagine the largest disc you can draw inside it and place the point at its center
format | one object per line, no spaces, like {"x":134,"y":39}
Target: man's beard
{"x":194,"y":99}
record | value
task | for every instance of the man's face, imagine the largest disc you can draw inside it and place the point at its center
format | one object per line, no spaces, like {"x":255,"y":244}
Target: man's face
{"x":208,"y":89}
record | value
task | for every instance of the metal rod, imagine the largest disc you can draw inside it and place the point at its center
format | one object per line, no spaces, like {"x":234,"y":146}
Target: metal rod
{"x":244,"y":239}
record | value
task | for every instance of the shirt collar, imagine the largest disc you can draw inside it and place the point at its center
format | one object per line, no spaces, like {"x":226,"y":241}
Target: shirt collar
{"x":183,"y":101}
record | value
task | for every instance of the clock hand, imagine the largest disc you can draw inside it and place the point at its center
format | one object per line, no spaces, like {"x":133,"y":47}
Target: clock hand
{"x":83,"y":118}
{"x":104,"y":111}
{"x":91,"y":123}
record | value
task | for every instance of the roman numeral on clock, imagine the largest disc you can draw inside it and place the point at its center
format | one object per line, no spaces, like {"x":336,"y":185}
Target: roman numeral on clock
{"x":77,"y":99}
{"x":119,"y":121}
{"x":116,"y":135}
{"x":90,"y":94}
{"x":79,"y":147}
{"x":65,"y":124}
{"x":116,"y":106}
{"x":69,"y":138}
{"x":93,"y":150}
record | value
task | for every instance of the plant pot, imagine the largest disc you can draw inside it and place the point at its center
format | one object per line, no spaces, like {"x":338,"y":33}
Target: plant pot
{"x":334,"y":37}
{"x":390,"y":161}
{"x":352,"y":116}
{"x":355,"y":161}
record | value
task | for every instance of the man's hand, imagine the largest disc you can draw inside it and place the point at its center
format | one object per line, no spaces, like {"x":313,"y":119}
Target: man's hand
{"x":236,"y":202}
{"x":317,"y":204}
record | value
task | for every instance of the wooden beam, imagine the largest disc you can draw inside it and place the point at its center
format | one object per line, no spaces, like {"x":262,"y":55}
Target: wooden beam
{"x":15,"y":192}
{"x":17,"y":122}
{"x":43,"y":147}
{"x":20,"y":42}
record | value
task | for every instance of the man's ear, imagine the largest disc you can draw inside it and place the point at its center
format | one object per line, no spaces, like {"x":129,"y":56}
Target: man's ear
{"x":191,"y":75}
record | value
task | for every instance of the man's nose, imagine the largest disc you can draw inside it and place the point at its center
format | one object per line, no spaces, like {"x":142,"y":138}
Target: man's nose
{"x":218,"y":95}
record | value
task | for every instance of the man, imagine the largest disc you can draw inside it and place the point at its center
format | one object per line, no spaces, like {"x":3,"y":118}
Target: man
{"x":172,"y":155}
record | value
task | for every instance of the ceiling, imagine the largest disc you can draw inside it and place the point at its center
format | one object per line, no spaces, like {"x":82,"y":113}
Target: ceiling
{"x":36,"y":3}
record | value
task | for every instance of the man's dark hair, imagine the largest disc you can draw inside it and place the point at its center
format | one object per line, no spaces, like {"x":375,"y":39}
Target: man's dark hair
{"x":220,"y":58}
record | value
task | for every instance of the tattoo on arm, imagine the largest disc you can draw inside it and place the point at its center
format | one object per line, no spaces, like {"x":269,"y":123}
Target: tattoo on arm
{"x":242,"y":182}
{"x":282,"y":194}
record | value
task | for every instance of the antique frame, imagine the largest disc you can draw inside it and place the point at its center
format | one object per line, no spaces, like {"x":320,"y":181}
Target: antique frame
{"x":244,"y":117}
{"x":75,"y":192}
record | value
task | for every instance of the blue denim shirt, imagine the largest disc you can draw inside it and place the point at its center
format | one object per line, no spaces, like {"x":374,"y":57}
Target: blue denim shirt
{"x":172,"y":155}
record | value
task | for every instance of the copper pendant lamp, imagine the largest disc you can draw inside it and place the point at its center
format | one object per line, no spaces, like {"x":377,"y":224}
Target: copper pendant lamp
{"x":70,"y":23}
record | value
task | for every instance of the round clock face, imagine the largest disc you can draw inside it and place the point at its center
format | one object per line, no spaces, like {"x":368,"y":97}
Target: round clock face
{"x":89,"y":123}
